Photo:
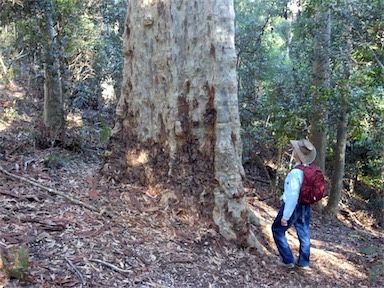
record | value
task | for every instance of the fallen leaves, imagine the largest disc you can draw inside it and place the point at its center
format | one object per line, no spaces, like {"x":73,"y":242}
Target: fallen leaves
{"x":151,"y":239}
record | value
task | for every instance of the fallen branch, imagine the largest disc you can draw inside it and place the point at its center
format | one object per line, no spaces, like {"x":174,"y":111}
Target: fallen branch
{"x":50,"y":190}
{"x":76,"y":270}
{"x":109,"y":265}
{"x":259,"y":179}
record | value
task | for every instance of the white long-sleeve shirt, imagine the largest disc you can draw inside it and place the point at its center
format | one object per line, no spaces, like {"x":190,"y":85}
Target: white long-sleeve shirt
{"x":291,"y":193}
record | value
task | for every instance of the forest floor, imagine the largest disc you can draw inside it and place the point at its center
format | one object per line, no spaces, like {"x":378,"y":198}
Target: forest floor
{"x":137,"y":238}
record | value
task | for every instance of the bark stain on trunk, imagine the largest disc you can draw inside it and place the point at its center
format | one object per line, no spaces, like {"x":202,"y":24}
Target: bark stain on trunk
{"x":210,"y":117}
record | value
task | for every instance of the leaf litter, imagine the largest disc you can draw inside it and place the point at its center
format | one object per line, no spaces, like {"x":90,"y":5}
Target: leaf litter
{"x":135,"y":239}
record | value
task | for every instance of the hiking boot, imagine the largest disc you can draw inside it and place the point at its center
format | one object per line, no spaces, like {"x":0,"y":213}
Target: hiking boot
{"x":303,"y":267}
{"x":285,"y":265}
{"x":289,"y":266}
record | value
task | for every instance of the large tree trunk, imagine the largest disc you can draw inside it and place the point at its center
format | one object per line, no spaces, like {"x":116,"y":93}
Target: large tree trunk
{"x":322,"y":40}
{"x":177,"y":122}
{"x":53,"y":97}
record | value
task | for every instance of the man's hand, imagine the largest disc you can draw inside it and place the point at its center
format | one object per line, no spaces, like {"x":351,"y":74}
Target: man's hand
{"x":284,"y":222}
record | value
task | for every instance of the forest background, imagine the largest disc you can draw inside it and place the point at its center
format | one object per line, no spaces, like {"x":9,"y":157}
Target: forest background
{"x":73,"y":49}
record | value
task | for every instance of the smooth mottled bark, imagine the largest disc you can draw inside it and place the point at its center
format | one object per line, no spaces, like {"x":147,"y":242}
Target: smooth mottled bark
{"x":321,"y":72}
{"x":342,"y":124}
{"x":338,"y":165}
{"x":177,"y":124}
{"x":53,"y":97}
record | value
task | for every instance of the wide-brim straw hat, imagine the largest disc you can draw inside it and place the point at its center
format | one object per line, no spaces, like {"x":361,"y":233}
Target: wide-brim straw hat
{"x":305,"y":150}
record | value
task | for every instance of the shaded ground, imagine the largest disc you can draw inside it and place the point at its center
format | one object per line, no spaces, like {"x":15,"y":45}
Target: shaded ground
{"x":140,"y":239}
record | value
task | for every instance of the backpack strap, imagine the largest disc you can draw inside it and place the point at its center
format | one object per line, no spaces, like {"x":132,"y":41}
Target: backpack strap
{"x":301,"y":166}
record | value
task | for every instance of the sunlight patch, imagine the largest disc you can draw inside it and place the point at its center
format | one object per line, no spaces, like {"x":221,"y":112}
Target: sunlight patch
{"x":325,"y":259}
{"x":74,"y":120}
{"x":137,"y":159}
{"x":4,"y":126}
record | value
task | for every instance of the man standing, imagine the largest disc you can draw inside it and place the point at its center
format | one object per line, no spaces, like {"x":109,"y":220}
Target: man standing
{"x":293,"y":213}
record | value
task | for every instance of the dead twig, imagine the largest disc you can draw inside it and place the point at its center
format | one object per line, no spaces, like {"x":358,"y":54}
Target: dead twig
{"x":258,"y":179}
{"x":28,"y":197}
{"x":50,"y":190}
{"x":109,"y":265}
{"x":76,"y":270}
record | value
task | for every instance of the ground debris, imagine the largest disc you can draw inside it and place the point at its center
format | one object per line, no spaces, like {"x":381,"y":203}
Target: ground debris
{"x":147,"y":243}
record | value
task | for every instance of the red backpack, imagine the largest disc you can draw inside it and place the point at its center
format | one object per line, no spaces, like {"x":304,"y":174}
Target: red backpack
{"x":313,"y":187}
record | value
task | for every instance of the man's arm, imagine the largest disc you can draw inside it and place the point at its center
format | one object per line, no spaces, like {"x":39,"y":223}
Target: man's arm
{"x":291,"y":194}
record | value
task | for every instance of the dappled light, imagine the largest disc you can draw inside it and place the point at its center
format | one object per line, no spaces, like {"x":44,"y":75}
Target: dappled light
{"x":332,"y":263}
{"x":146,"y":144}
{"x":3,"y":126}
{"x":141,"y":236}
{"x":74,"y":119}
{"x":9,"y":95}
{"x":135,"y":159}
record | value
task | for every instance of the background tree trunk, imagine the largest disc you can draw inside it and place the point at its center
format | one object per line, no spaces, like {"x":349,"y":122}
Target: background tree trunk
{"x":53,"y":97}
{"x":322,"y":40}
{"x":345,"y":95}
{"x":339,"y":164}
{"x":177,"y":122}
{"x":4,"y":69}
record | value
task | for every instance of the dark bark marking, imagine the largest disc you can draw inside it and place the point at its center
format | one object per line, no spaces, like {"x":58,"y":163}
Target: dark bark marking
{"x":210,"y":116}
{"x":233,"y":138}
{"x":127,"y":31}
{"x":187,"y":87}
{"x":195,"y":104}
{"x":163,"y":133}
{"x":212,"y":51}
{"x":183,"y":114}
{"x":160,"y":8}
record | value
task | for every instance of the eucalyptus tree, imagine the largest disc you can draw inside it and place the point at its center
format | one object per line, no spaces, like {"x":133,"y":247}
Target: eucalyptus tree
{"x":342,"y":98}
{"x":177,"y":127}
{"x":53,"y":93}
{"x":321,"y":80}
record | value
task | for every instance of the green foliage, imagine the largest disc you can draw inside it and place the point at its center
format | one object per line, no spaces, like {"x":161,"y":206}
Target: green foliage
{"x":367,"y":130}
{"x":273,"y":76}
{"x":55,"y":161}
{"x":275,"y":51}
{"x":105,"y":132}
{"x":376,"y":271}
{"x":92,"y":46}
{"x":366,"y":152}
{"x":18,"y":265}
{"x":10,"y":113}
{"x":369,"y":250}
{"x":88,"y":38}
{"x":357,"y":236}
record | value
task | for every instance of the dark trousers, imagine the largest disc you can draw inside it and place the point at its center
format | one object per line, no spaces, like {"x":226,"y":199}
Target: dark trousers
{"x":300,"y":219}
